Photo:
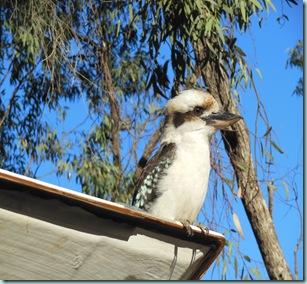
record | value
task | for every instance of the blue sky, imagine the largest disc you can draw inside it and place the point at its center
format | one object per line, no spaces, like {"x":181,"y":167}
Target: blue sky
{"x":266,"y":49}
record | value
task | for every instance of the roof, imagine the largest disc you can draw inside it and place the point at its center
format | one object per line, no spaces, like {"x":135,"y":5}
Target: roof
{"x":52,"y":233}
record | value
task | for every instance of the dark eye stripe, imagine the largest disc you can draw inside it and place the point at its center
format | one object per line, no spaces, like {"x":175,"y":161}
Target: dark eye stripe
{"x":179,"y":118}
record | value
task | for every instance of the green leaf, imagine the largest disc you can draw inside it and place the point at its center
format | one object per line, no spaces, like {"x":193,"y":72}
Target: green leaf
{"x":271,"y":4}
{"x":130,"y":12}
{"x":240,"y":51}
{"x":286,"y":188}
{"x":219,"y":30}
{"x":242,"y":273}
{"x":227,"y":9}
{"x":229,"y":250}
{"x":268,"y":155}
{"x":260,"y":22}
{"x":242,"y":166}
{"x":117,"y":28}
{"x":211,"y":48}
{"x":187,"y":8}
{"x":276,"y":147}
{"x":208,"y":26}
{"x":224,"y":269}
{"x":257,"y":4}
{"x":270,"y":185}
{"x":267,"y":131}
{"x":199,"y":5}
{"x":247,"y":258}
{"x":229,"y":182}
{"x":243,"y":11}
{"x":259,"y":73}
{"x":236,"y":267}
{"x":256,"y":272}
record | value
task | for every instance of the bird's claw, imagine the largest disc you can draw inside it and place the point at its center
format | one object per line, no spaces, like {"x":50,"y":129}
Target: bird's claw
{"x":187,"y":226}
{"x":203,"y":228}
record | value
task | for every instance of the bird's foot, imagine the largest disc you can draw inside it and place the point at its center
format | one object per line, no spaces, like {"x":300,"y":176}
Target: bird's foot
{"x":203,"y":228}
{"x":187,"y":225}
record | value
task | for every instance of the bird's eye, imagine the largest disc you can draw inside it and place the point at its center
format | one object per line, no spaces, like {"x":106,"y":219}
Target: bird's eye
{"x":198,"y":111}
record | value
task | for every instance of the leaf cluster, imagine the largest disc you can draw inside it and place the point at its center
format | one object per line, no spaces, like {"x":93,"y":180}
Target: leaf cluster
{"x":296,"y":59}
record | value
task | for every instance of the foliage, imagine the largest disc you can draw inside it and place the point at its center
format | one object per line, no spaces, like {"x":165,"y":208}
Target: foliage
{"x":296,"y":59}
{"x":119,"y":61}
{"x":53,"y":56}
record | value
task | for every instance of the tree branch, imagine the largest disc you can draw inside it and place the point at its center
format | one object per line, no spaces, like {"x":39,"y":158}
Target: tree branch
{"x":237,"y":145}
{"x":114,"y":110}
{"x":147,"y":151}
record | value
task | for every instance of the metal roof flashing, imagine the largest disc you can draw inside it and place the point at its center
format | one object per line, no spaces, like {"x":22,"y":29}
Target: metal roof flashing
{"x":53,"y":233}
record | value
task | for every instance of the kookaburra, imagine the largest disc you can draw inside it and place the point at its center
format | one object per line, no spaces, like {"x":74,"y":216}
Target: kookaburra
{"x":174,"y":182}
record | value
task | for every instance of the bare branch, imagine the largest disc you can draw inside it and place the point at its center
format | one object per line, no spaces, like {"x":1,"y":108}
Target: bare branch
{"x":148,"y":150}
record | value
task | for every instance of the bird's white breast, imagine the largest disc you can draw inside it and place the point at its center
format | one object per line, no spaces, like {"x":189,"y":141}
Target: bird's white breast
{"x":184,"y":186}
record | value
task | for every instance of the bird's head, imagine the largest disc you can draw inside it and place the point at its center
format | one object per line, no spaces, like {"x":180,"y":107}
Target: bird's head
{"x":194,"y":111}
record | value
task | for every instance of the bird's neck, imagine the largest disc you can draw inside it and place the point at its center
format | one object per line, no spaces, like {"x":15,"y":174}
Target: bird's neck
{"x":181,"y":136}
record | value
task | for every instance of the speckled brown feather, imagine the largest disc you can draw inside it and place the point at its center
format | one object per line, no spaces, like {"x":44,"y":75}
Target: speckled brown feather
{"x":156,"y":168}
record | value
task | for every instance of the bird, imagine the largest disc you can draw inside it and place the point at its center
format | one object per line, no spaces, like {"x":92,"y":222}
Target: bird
{"x":173,"y":184}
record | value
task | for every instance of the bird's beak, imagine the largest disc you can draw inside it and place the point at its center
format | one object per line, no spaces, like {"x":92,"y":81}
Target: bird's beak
{"x":222,"y":120}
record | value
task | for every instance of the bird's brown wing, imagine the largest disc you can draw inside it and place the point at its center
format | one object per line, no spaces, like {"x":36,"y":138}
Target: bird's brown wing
{"x":146,"y":191}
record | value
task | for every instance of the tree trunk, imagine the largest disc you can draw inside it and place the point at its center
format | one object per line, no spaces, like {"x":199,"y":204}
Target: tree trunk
{"x":237,"y":145}
{"x":114,"y":114}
